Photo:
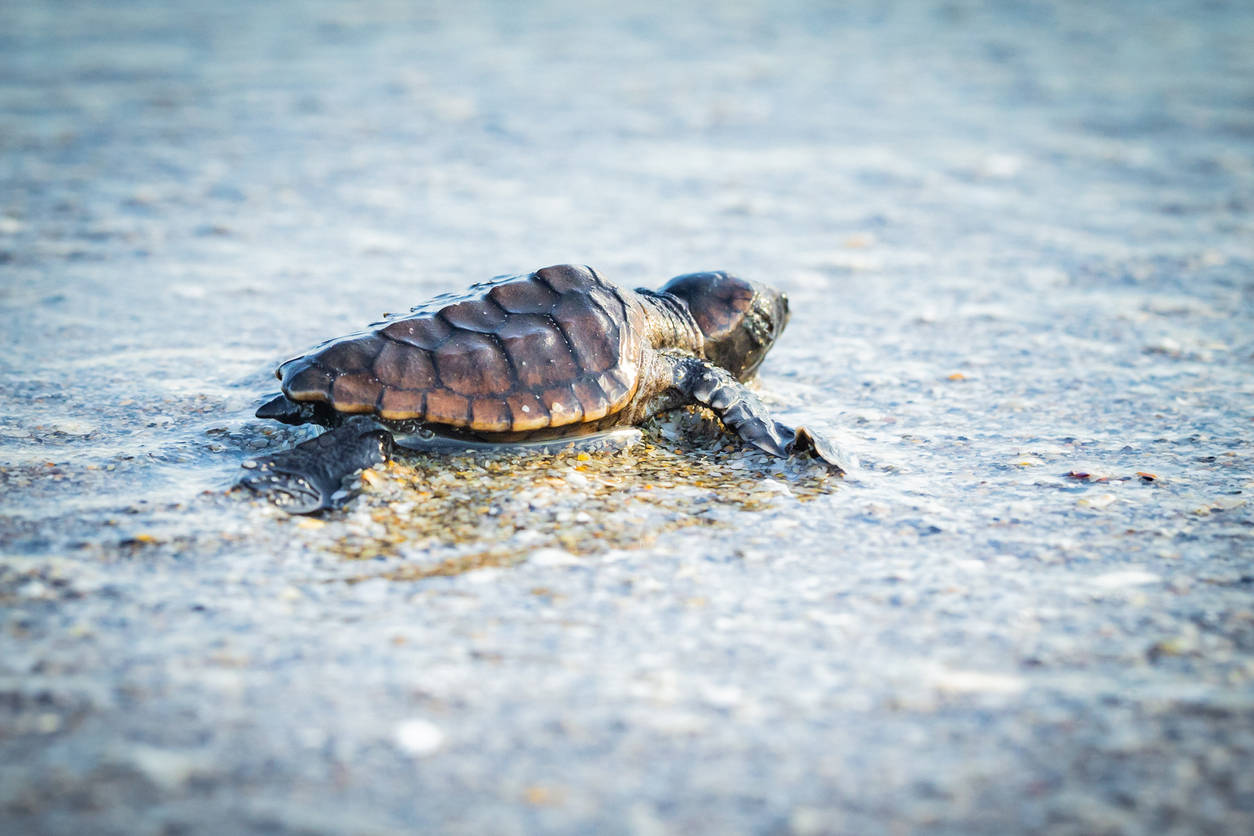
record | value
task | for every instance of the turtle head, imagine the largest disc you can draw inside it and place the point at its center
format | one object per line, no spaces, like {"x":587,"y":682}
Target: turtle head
{"x":739,"y":319}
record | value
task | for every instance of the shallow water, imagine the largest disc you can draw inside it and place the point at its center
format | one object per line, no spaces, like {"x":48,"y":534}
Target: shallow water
{"x":1019,"y":249}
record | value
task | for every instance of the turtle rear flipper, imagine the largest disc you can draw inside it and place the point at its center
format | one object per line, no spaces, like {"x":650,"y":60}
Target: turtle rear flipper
{"x":282,"y":408}
{"x":311,"y":476}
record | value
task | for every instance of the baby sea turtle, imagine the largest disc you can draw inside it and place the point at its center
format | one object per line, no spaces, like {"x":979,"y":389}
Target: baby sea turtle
{"x":556,"y":357}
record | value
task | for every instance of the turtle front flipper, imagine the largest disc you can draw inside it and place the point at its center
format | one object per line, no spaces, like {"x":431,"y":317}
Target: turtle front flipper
{"x":806,"y":440}
{"x":742,"y":413}
{"x":310,"y":477}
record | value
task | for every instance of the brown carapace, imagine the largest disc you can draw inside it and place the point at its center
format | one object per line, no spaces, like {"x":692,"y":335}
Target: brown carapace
{"x":514,"y":355}
{"x":556,"y":354}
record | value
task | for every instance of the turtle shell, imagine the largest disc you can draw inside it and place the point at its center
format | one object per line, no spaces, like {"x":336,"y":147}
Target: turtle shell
{"x":554,"y":348}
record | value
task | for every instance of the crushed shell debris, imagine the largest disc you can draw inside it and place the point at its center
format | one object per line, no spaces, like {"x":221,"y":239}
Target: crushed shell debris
{"x":431,"y":516}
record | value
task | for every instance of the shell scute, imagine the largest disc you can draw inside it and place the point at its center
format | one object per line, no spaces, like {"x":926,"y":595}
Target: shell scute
{"x":426,"y":332}
{"x":490,"y":415}
{"x":472,"y":364}
{"x":563,"y":406}
{"x":445,"y":407}
{"x":616,"y":385}
{"x":350,"y":354}
{"x":309,"y":382}
{"x":595,"y":403}
{"x":537,"y":351}
{"x":564,"y":278}
{"x":528,"y":412}
{"x":482,"y":315}
{"x":403,"y":366}
{"x":401,"y":404}
{"x":593,"y":337}
{"x":356,"y":392}
{"x":524,"y":297}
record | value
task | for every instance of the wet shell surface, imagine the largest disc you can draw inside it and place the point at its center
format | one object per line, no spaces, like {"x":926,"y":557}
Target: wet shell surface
{"x":554,"y":348}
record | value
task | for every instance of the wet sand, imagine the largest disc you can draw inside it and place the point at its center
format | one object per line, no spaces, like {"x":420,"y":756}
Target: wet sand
{"x":1019,"y":248}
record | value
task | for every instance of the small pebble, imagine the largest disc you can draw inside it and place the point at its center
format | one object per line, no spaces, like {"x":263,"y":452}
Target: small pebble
{"x":1098,"y":502}
{"x":418,"y":737}
{"x":1124,"y":579}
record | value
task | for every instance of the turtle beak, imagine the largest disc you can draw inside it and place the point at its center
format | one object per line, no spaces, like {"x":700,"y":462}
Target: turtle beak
{"x":781,"y":313}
